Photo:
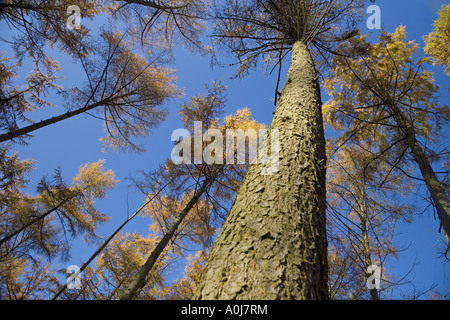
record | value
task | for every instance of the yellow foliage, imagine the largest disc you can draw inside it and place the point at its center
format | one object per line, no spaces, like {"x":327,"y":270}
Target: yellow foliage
{"x":92,"y":177}
{"x":437,"y":42}
{"x":136,"y":92}
{"x":196,"y":226}
{"x":184,"y":288}
{"x":377,"y":78}
{"x":120,"y":261}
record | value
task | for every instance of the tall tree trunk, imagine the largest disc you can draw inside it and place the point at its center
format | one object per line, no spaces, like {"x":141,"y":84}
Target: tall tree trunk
{"x":363,"y":216}
{"x":273,"y":243}
{"x":437,"y":192}
{"x":139,"y":280}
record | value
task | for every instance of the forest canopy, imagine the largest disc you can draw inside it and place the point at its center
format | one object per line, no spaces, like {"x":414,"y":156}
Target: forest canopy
{"x":347,"y":127}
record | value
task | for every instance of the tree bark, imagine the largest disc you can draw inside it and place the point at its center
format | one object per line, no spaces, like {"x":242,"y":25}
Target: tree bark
{"x":273,"y":243}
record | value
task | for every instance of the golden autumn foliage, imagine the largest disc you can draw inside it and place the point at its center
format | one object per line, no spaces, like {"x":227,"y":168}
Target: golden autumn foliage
{"x":384,"y":104}
{"x":133,"y":94}
{"x":436,"y":43}
{"x":125,"y":85}
{"x":276,"y":240}
{"x":184,"y":288}
{"x":196,"y":226}
{"x":365,"y":202}
{"x":160,"y":26}
{"x":121,"y":259}
{"x":392,"y":64}
{"x":41,"y":226}
{"x":188,"y":218}
{"x":384,"y":95}
{"x":41,"y":25}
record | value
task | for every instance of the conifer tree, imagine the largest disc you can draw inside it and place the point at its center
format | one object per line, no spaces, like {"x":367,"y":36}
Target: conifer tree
{"x":273,"y":244}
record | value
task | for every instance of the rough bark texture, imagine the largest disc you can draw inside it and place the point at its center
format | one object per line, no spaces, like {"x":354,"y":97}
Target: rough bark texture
{"x":273,"y":244}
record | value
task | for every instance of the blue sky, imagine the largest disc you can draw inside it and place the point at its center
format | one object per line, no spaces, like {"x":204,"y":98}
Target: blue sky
{"x":75,"y":141}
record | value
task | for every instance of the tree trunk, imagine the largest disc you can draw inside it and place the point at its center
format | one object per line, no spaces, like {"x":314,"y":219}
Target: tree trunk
{"x":363,"y":216}
{"x":107,"y":241}
{"x":139,"y":280}
{"x":43,"y":123}
{"x":437,"y":192}
{"x":35,"y":220}
{"x":273,"y":243}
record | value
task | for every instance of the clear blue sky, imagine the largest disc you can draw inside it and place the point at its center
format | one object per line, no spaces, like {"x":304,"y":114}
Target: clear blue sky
{"x":75,"y":141}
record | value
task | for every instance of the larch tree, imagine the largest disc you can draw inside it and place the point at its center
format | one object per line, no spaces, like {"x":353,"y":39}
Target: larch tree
{"x":116,"y":266}
{"x":273,"y":243}
{"x":363,"y":209}
{"x":173,"y":219}
{"x":73,"y":204}
{"x":130,"y":103}
{"x":157,"y":24}
{"x":38,"y":26}
{"x":125,"y":89}
{"x":210,"y":183}
{"x":220,"y":185}
{"x":34,"y":228}
{"x":42,"y":24}
{"x":108,"y":240}
{"x":384,"y":95}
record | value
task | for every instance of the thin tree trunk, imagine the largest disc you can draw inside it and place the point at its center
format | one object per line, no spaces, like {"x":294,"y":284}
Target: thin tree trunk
{"x":273,"y":243}
{"x":107,"y":241}
{"x":139,"y":280}
{"x":363,"y":216}
{"x":35,"y":220}
{"x":43,"y":123}
{"x":437,"y":192}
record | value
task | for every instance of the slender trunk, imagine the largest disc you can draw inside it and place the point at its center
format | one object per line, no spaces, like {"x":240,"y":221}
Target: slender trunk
{"x":43,"y":123}
{"x":363,"y":216}
{"x":106,"y":242}
{"x":139,"y":280}
{"x":437,"y":192}
{"x":273,"y":243}
{"x":35,"y":220}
